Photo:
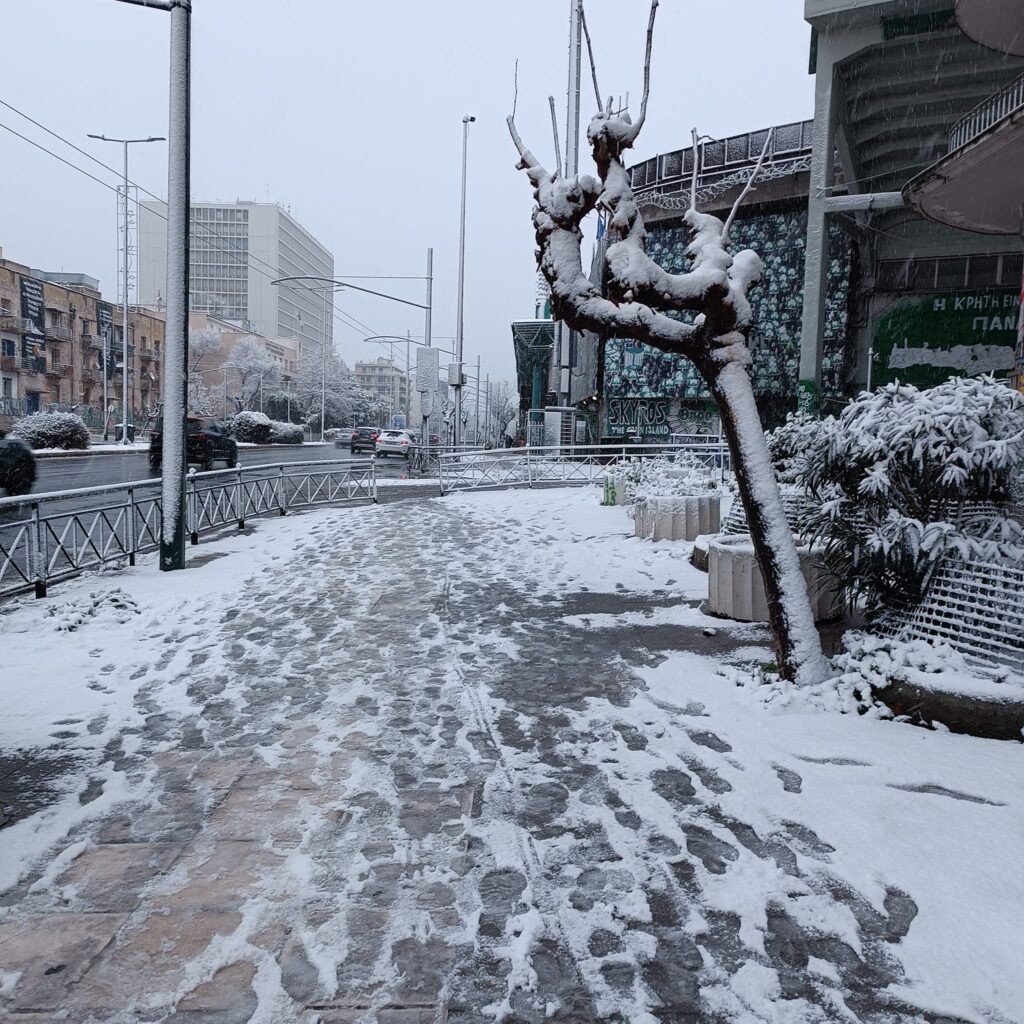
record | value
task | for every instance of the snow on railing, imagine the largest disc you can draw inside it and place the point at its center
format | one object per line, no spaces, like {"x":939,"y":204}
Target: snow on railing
{"x":980,"y":118}
{"x":566,"y":465}
{"x":49,"y":537}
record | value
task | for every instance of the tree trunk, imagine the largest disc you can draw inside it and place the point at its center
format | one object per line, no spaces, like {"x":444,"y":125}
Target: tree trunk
{"x":797,"y":644}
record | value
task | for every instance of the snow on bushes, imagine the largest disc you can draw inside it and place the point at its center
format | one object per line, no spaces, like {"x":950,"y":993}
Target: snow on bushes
{"x":667,"y":476}
{"x":52,"y":430}
{"x":286,"y":433}
{"x":250,"y":427}
{"x":258,"y":428}
{"x":905,"y":477}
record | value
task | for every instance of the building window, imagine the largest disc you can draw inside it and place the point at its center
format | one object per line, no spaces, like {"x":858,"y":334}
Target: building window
{"x":5,"y":305}
{"x":10,"y":347}
{"x":8,"y":387}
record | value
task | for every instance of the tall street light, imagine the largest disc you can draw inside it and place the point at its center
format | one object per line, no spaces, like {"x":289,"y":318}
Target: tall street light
{"x":124,"y":278}
{"x":175,"y":383}
{"x":467,"y":120}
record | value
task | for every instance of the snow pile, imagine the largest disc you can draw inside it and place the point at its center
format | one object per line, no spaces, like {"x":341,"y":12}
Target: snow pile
{"x":103,"y":606}
{"x":286,"y":433}
{"x":60,"y":430}
{"x":252,"y":427}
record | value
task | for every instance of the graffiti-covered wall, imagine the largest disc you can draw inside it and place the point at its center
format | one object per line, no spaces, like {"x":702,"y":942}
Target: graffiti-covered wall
{"x":635,"y":371}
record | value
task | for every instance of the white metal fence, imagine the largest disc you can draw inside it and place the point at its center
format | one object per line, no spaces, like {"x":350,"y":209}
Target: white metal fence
{"x":49,"y":537}
{"x":579,"y":464}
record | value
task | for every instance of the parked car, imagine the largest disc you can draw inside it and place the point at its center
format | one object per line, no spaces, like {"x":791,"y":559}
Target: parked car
{"x":17,"y":466}
{"x":208,"y":442}
{"x":363,"y":439}
{"x":394,"y":442}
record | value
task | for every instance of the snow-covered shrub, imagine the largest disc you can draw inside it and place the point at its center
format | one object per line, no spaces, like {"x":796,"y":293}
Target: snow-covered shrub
{"x":905,"y":477}
{"x":252,"y":427}
{"x":664,"y":476}
{"x":286,"y":433}
{"x":793,"y":444}
{"x":52,"y":430}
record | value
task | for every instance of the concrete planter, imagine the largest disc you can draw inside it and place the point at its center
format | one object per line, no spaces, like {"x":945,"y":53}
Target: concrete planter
{"x":677,"y":518}
{"x":736,"y":588}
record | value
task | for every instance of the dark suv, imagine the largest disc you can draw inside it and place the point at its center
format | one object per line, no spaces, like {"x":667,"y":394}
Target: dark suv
{"x":208,"y":442}
{"x":17,"y":466}
{"x":364,"y":439}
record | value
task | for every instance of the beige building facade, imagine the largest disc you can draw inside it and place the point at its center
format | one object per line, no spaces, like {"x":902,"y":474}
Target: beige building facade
{"x":61,"y":349}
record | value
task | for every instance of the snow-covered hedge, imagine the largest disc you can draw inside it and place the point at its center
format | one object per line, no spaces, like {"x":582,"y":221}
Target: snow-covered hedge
{"x":904,"y":477}
{"x":664,"y":477}
{"x":286,"y":433}
{"x":251,"y":427}
{"x":52,"y":430}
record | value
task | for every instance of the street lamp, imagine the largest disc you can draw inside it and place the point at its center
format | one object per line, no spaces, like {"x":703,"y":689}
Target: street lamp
{"x":467,"y":120}
{"x":175,"y":385}
{"x":124,"y":280}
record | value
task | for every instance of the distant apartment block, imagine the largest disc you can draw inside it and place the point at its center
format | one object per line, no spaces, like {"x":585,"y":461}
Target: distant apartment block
{"x":236,"y":250}
{"x":386,"y":380}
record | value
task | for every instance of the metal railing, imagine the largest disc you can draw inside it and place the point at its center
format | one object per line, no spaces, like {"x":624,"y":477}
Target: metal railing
{"x":568,"y":465}
{"x":987,"y":113}
{"x":49,"y":537}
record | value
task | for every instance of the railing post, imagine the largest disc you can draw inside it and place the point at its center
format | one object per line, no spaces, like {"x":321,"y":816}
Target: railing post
{"x":373,"y":480}
{"x":239,"y":511}
{"x":193,"y":507}
{"x":36,"y":552}
{"x":130,"y":538}
{"x":282,"y":499}
{"x":529,"y":469}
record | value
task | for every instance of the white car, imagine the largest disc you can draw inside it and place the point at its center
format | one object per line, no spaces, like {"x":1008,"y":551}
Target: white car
{"x":395,"y":442}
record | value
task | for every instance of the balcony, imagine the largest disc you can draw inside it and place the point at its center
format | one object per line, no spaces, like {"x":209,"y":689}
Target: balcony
{"x":8,"y":362}
{"x":58,"y":370}
{"x":10,"y":322}
{"x":32,"y":365}
{"x":56,"y":332}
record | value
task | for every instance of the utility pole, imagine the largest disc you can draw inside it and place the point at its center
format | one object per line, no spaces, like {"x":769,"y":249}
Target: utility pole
{"x":487,"y":411}
{"x":323,"y":372}
{"x":476,"y":416}
{"x":125,"y":275}
{"x":467,"y":120}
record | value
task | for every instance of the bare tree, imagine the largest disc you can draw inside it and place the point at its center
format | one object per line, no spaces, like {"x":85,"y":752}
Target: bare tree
{"x":504,"y":403}
{"x":252,"y":369}
{"x":200,"y":345}
{"x":712,"y":295}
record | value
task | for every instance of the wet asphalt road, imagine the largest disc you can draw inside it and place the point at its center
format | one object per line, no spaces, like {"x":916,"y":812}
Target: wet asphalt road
{"x":67,"y":472}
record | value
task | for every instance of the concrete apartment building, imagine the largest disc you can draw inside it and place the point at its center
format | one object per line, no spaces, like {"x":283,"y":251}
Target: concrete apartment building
{"x":236,"y":250}
{"x":386,"y":381}
{"x":60,"y":343}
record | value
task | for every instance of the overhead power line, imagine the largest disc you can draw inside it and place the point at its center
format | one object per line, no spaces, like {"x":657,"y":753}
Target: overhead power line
{"x":251,"y":261}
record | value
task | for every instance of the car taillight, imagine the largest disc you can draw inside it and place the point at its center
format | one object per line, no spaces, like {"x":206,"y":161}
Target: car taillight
{"x":355,"y":434}
{"x":404,"y":441}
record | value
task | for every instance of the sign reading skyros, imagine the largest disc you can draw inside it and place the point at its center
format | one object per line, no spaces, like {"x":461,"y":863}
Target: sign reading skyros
{"x":925,"y":341}
{"x":639,"y":417}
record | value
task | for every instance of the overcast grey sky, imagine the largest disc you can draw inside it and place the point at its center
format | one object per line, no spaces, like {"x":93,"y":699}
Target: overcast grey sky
{"x":349,"y":113}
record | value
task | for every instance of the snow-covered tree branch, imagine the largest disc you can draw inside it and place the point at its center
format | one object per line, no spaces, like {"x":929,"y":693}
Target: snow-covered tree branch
{"x":642,"y":302}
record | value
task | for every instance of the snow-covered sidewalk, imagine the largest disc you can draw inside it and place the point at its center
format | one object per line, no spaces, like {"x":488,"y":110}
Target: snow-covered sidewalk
{"x":470,"y":758}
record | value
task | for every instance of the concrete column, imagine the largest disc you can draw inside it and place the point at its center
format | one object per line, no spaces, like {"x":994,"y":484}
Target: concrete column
{"x":845,"y":36}
{"x":816,"y":251}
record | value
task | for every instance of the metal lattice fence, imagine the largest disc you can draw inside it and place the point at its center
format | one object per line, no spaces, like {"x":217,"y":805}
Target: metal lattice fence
{"x":50,"y":537}
{"x":977,"y":608}
{"x":570,"y":465}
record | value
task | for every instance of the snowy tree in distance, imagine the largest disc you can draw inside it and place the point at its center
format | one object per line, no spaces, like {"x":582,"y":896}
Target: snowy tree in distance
{"x":643,"y":302}
{"x":252,"y":370}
